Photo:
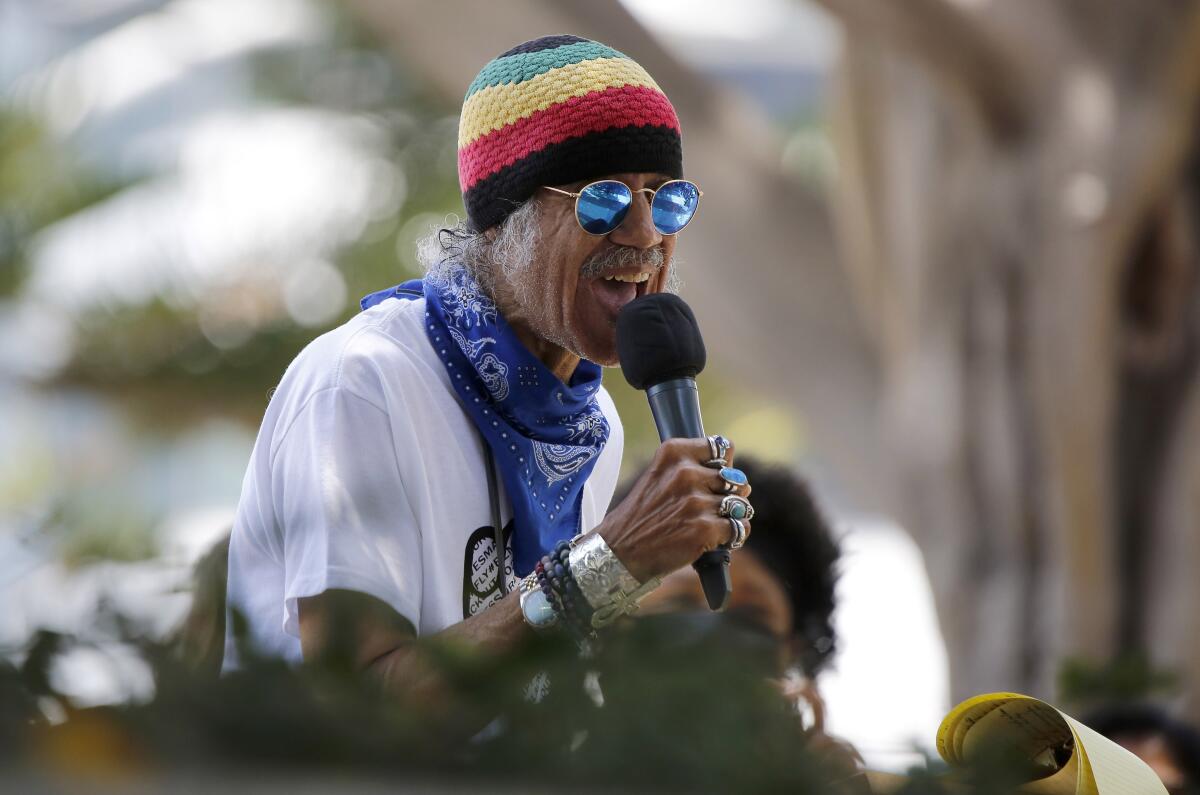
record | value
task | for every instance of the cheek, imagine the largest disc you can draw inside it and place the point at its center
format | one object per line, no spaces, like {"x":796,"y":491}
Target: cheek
{"x":659,"y":282}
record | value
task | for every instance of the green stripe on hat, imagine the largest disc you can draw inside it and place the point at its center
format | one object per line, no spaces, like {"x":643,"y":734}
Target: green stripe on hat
{"x":523,"y":66}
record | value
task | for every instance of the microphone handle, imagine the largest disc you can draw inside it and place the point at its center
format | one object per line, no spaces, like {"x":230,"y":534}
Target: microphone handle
{"x":675,"y":405}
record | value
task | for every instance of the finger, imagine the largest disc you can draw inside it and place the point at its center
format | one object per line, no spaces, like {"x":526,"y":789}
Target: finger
{"x":733,"y":532}
{"x":708,"y":479}
{"x":688,"y":449}
{"x":729,"y":455}
{"x":721,"y":533}
{"x":720,"y":451}
{"x":719,"y":485}
{"x":700,"y":477}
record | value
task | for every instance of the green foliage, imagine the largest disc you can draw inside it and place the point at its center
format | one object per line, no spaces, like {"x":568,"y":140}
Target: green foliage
{"x":1127,"y":677}
{"x":669,"y":704}
{"x":40,"y":183}
{"x":159,"y":353}
{"x":680,"y":713}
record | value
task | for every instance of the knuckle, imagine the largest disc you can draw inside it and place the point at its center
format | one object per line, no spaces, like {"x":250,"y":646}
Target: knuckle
{"x":700,"y":503}
{"x":700,"y":476}
{"x":676,"y":447}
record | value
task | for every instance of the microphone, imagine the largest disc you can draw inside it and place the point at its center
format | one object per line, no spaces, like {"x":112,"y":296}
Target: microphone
{"x":662,"y":352}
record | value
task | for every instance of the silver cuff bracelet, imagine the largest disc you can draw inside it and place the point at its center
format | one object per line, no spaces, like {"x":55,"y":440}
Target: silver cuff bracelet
{"x":604,"y":581}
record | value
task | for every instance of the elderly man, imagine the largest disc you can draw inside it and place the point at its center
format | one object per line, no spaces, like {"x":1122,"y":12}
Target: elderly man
{"x":442,"y":463}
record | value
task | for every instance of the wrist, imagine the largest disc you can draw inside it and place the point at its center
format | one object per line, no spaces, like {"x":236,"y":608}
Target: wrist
{"x":537,"y":609}
{"x":608,"y":586}
{"x":632,"y":563}
{"x":550,"y":597}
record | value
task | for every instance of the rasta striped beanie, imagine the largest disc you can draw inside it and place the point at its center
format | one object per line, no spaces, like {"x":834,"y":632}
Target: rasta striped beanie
{"x":555,"y":110}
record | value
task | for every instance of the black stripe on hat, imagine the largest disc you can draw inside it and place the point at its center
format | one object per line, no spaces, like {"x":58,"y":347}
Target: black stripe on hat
{"x":618,"y":150}
{"x":544,"y":43}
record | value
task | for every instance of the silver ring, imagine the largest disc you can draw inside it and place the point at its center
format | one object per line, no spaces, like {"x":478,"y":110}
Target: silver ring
{"x":739,"y":533}
{"x":718,"y":447}
{"x":735,"y":506}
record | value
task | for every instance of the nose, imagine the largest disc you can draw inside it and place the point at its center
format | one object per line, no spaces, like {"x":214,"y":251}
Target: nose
{"x":637,"y":230}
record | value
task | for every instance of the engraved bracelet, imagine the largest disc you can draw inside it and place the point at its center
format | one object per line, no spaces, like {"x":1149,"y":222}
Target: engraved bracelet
{"x":605,"y":582}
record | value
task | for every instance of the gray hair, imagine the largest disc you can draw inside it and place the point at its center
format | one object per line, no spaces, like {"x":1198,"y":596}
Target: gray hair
{"x":512,"y":249}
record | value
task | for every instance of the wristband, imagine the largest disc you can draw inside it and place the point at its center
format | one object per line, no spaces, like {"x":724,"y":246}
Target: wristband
{"x":604,"y":581}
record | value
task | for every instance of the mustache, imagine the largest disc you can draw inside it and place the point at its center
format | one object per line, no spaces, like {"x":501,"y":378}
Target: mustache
{"x":622,"y":257}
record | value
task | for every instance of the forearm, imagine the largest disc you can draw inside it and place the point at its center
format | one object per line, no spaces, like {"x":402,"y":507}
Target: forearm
{"x":408,"y":669}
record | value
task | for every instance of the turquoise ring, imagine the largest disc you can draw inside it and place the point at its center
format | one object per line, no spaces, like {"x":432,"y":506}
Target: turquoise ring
{"x":734,"y":478}
{"x":735,"y":507}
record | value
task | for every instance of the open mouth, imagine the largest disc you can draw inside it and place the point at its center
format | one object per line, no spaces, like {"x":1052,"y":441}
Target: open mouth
{"x":636,"y":278}
{"x":615,"y":290}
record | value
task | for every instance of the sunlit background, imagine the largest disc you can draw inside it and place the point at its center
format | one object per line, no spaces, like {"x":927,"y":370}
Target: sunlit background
{"x":191,"y":190}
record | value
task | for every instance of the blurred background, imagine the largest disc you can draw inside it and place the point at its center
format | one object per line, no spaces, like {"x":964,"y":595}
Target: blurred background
{"x":946,"y":267}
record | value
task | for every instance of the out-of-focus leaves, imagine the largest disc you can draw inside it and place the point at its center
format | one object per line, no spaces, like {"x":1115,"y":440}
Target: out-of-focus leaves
{"x":681,"y":712}
{"x":40,"y":183}
{"x":668,"y":704}
{"x":1126,"y":678}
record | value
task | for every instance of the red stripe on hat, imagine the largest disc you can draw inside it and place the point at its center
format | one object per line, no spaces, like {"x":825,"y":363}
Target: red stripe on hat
{"x":624,"y":106}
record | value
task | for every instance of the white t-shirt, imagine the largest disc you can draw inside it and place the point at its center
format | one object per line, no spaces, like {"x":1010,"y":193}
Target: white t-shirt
{"x":367,"y":475}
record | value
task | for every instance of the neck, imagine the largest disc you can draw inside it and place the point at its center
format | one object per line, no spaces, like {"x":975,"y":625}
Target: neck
{"x":557,"y":359}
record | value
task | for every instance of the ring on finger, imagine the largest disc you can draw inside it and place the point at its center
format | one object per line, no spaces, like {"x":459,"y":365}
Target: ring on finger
{"x":718,"y":448}
{"x":739,"y":533}
{"x":734,"y":478}
{"x":735,"y":506}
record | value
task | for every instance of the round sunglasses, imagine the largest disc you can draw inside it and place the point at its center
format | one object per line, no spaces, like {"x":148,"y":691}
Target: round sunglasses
{"x":601,"y":206}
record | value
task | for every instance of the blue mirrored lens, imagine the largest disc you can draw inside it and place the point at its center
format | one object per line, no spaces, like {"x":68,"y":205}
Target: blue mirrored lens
{"x":674,"y":205}
{"x":603,"y":205}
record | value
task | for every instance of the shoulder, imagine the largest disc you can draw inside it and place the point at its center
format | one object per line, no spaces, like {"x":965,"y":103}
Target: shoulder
{"x":380,"y":357}
{"x":368,"y":356}
{"x":387,"y":350}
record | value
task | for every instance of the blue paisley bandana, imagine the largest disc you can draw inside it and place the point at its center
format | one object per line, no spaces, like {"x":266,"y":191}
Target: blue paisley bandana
{"x":545,"y":435}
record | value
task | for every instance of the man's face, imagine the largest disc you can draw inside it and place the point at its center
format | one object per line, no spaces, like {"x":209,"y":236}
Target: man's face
{"x":567,"y":294}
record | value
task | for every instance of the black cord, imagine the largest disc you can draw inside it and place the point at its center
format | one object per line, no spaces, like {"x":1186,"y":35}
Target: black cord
{"x":497,"y":528}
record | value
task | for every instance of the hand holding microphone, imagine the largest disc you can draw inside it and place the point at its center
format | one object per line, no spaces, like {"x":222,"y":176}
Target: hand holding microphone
{"x":690,"y":505}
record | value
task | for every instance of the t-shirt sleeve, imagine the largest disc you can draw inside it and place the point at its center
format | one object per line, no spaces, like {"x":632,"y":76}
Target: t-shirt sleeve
{"x":346,"y":520}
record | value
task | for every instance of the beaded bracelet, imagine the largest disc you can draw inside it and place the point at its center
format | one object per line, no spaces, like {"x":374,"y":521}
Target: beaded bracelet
{"x":557,"y":583}
{"x":560,"y":581}
{"x":578,"y":603}
{"x":566,"y":617}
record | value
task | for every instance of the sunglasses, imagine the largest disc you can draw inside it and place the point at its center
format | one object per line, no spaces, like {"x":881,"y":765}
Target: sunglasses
{"x":601,"y":206}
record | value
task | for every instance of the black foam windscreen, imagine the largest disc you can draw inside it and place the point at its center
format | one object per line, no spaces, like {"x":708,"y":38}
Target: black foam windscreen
{"x":658,"y":339}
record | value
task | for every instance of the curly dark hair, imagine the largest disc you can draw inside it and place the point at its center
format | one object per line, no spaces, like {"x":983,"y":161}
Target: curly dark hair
{"x":793,"y":540}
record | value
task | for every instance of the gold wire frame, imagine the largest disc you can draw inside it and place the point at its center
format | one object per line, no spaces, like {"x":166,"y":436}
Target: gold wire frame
{"x":651,"y":191}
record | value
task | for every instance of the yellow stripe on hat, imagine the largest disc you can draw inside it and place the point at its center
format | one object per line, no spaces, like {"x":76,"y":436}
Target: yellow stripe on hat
{"x":496,"y":106}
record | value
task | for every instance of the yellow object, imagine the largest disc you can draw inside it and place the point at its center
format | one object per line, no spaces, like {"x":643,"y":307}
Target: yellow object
{"x":494,"y":107}
{"x":1035,"y":732}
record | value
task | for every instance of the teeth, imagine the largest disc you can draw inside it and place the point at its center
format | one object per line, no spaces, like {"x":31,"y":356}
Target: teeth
{"x":636,"y":278}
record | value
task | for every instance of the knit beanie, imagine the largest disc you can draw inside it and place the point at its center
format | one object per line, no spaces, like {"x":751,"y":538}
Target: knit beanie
{"x":555,"y":110}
